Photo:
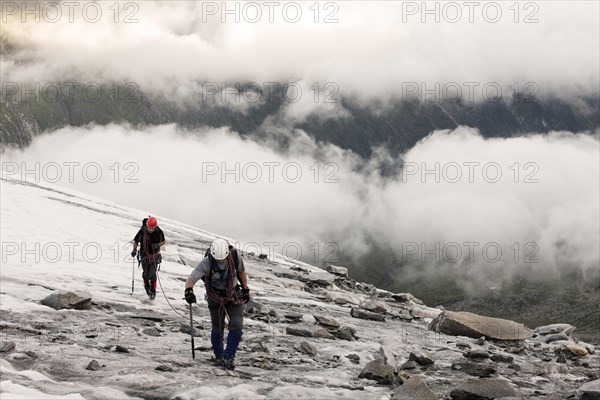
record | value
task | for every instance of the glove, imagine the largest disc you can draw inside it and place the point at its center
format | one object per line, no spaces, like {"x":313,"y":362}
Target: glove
{"x":245,"y":295}
{"x":155,"y":246}
{"x":133,"y":253}
{"x":190,"y":297}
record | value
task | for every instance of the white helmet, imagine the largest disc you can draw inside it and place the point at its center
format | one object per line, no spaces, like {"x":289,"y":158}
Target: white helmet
{"x":219,"y":249}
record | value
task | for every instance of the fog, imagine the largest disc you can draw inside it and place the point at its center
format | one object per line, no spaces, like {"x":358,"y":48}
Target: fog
{"x":454,"y":199}
{"x":368,"y":50}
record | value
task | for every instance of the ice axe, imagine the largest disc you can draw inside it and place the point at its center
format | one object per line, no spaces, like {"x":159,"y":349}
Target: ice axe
{"x":132,"y":274}
{"x":192,"y":333}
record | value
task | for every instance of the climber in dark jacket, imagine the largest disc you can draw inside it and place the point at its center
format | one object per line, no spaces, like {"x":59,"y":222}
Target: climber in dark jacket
{"x":151,"y":238}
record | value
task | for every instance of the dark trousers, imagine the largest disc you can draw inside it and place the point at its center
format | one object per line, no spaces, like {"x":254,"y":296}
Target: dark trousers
{"x":149,"y":274}
{"x":236,"y":322}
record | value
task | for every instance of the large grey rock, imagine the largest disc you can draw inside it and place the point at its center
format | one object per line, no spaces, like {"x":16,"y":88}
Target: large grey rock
{"x":322,"y":333}
{"x":93,"y":366}
{"x":69,"y":300}
{"x":185,"y":328}
{"x":343,"y":298}
{"x":293,"y":317}
{"x":253,"y":307}
{"x":7,"y":346}
{"x":476,"y":326}
{"x":290,"y":330}
{"x":483,"y":389}
{"x":420,"y":311}
{"x":340,"y":271}
{"x":151,"y":332}
{"x":378,"y":370}
{"x":553,"y":329}
{"x":388,"y":357}
{"x":362,"y":314}
{"x":306,"y":348}
{"x":414,"y":388}
{"x":590,"y":390}
{"x":346,"y":333}
{"x":375,"y":306}
{"x":501,"y":358}
{"x":421,"y":357}
{"x":403,"y":297}
{"x":555,"y":337}
{"x":326,"y":321}
{"x":121,"y":349}
{"x":477,"y":354}
{"x":476,"y":369}
{"x":354,"y":358}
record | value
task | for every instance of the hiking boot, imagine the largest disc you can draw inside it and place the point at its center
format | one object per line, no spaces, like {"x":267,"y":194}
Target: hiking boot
{"x":152,"y":295}
{"x":227,"y":364}
{"x":147,"y":287}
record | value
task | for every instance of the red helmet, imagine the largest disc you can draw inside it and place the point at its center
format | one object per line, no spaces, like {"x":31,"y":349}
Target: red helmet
{"x":152,"y":223}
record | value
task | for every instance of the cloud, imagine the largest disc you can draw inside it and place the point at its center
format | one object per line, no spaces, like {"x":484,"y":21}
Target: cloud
{"x":458,"y":196}
{"x":366,"y":50}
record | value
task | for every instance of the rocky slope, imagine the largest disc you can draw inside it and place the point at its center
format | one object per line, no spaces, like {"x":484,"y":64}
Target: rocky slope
{"x":309,"y":333}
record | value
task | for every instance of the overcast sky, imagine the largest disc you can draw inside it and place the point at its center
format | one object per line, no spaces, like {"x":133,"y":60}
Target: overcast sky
{"x":367,"y":48}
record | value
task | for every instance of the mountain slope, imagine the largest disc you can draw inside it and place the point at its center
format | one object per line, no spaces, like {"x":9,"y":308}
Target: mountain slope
{"x":398,"y":125}
{"x":54,"y":239}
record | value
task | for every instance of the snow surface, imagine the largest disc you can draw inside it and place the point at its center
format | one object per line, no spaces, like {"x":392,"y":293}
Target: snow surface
{"x":54,"y":238}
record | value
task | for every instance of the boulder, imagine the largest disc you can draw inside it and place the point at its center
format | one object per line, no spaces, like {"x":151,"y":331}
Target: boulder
{"x":326,"y":321}
{"x":306,"y":348}
{"x":339,"y":271}
{"x":298,"y":332}
{"x":253,"y":307}
{"x":553,"y":329}
{"x":362,"y":314}
{"x":414,"y":388}
{"x":379,"y":371}
{"x":93,"y":366}
{"x":354,"y":358}
{"x":375,"y":306}
{"x":7,"y":346}
{"x":151,"y":332}
{"x":70,"y":300}
{"x":322,"y":333}
{"x":420,"y":311}
{"x":483,"y":389}
{"x":409,"y":365}
{"x":501,"y":358}
{"x":293,"y":317}
{"x":346,"y":333}
{"x":420,"y":357}
{"x":185,"y":328}
{"x":388,"y":357}
{"x":405,"y":298}
{"x":343,"y":298}
{"x":476,"y":326}
{"x":478,"y":353}
{"x":590,"y":390}
{"x":476,"y":369}
{"x":576,"y":350}
{"x":121,"y":349}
